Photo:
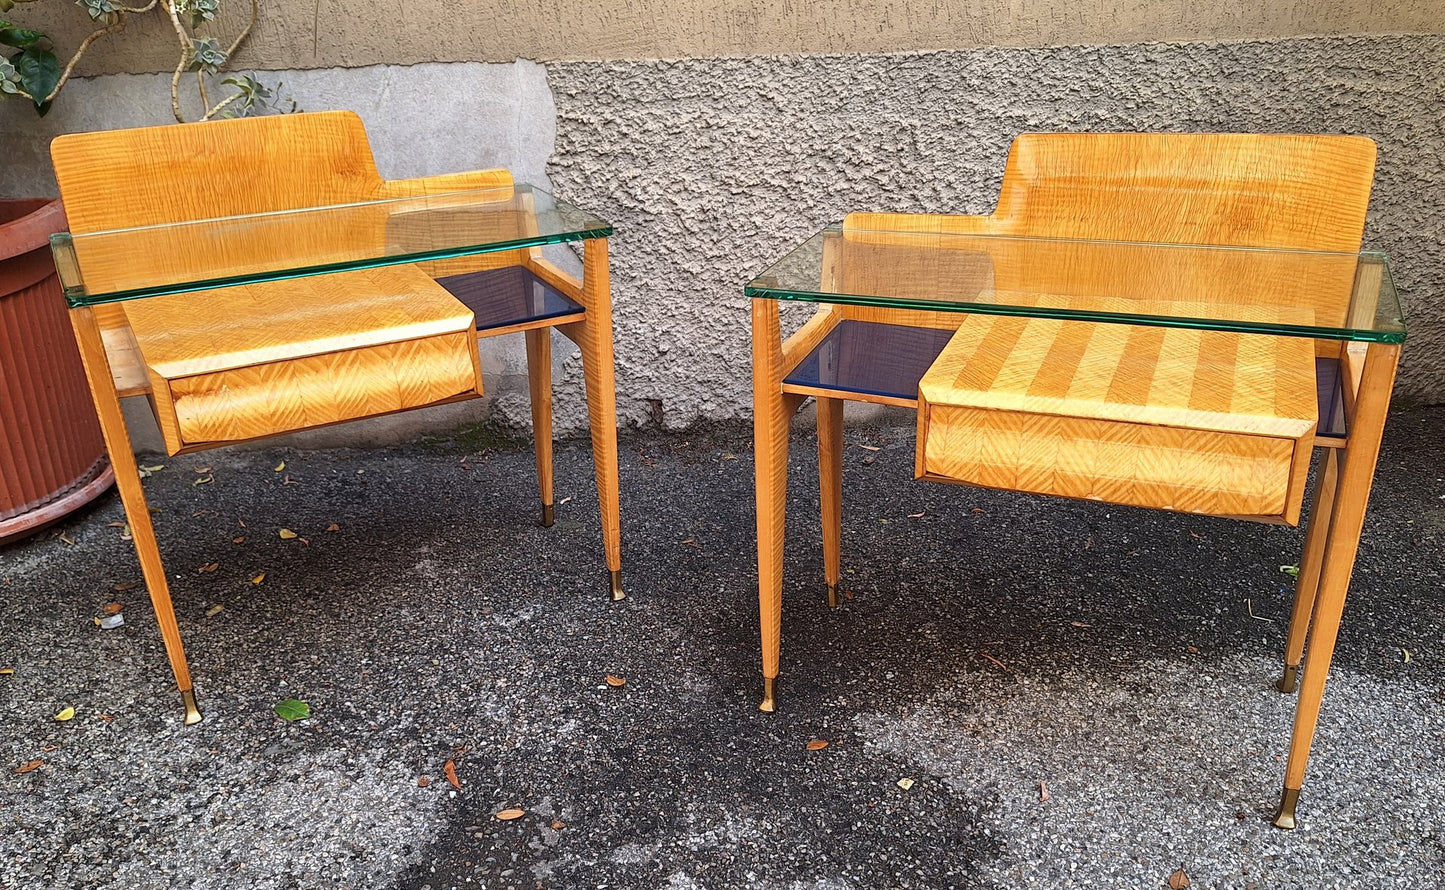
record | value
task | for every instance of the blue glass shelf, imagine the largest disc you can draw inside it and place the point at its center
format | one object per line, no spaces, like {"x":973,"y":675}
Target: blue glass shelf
{"x":508,"y":296}
{"x":875,"y":359}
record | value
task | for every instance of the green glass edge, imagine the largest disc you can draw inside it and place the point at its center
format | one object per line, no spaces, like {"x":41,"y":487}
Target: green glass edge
{"x":1387,"y":286}
{"x":75,"y":295}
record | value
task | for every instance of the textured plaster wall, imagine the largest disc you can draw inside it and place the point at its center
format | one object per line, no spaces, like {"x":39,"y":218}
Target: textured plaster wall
{"x":712,"y":169}
{"x":333,"y":33}
{"x":422,"y":119}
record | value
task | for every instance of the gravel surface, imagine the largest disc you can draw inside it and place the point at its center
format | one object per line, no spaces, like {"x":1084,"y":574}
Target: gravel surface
{"x":996,"y":650}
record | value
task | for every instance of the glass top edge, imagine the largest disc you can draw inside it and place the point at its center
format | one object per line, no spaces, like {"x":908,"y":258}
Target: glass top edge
{"x":76,"y":295}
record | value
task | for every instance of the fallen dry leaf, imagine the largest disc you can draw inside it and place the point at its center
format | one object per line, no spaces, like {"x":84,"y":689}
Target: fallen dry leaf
{"x":870,"y":447}
{"x":29,"y":767}
{"x":289,"y":481}
{"x":115,"y":525}
{"x":259,"y":578}
{"x":1080,"y":624}
{"x":106,"y":717}
{"x":112,"y":608}
{"x":423,"y":782}
{"x":333,"y":527}
{"x":287,"y":534}
{"x":615,"y":681}
{"x":450,"y":768}
{"x":239,"y":539}
{"x":558,"y":825}
{"x":918,"y":515}
{"x":905,"y":783}
{"x":977,"y":510}
{"x":215,"y":610}
{"x":6,"y":671}
{"x":69,"y":542}
{"x":204,"y":480}
{"x":817,"y":745}
{"x":209,"y":568}
{"x":692,"y":542}
{"x":1179,"y":880}
{"x":129,"y":585}
{"x":65,"y":714}
{"x":201,"y":471}
{"x":1407,"y":655}
{"x":1044,"y":794}
{"x":281,"y":466}
{"x":509,"y":815}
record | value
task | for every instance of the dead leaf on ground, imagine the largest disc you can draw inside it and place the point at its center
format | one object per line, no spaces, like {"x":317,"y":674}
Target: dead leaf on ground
{"x":977,"y":510}
{"x":204,"y":480}
{"x":287,"y":534}
{"x":115,"y":525}
{"x":112,"y":608}
{"x":333,"y":527}
{"x":450,"y":768}
{"x":817,"y":745}
{"x":281,"y":466}
{"x":69,"y":542}
{"x":259,"y":578}
{"x":509,"y":815}
{"x":905,"y":783}
{"x":215,"y":610}
{"x":289,"y":481}
{"x":5,"y":672}
{"x":1080,"y":624}
{"x":29,"y":767}
{"x":1179,"y":880}
{"x":870,"y":447}
{"x":1044,"y":794}
{"x":239,"y":539}
{"x":558,"y":825}
{"x":122,"y":588}
{"x":918,"y":515}
{"x":615,"y":681}
{"x":209,"y":568}
{"x":201,"y":471}
{"x":65,"y":714}
{"x":423,"y":782}
{"x":692,"y":542}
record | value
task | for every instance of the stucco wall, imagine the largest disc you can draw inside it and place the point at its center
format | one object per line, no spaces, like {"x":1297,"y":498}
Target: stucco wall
{"x":712,"y":169}
{"x":335,"y":33}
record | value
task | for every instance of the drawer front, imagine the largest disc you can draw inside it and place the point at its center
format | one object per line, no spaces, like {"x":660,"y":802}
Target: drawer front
{"x":1143,"y":465}
{"x":296,"y":394}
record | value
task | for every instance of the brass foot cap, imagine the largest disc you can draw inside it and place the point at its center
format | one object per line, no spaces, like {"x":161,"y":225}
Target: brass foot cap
{"x":1285,"y":817}
{"x":193,"y":713}
{"x":549,"y":515}
{"x":617,"y":593}
{"x":770,"y":700}
{"x":832,"y":596}
{"x":1290,"y":681}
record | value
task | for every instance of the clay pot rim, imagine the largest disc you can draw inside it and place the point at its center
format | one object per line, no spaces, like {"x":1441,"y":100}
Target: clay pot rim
{"x":33,"y":230}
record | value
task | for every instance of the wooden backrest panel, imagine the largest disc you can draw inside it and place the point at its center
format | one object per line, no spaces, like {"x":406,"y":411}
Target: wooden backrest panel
{"x":1230,"y":189}
{"x":155,"y":175}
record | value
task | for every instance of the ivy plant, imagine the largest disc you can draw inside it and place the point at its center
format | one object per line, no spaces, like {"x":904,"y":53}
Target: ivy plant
{"x":31,"y":69}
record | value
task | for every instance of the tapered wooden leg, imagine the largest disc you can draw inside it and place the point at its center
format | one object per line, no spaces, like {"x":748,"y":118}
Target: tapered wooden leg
{"x":1308,"y":583}
{"x":539,"y":379}
{"x":770,"y":461}
{"x":132,"y":496}
{"x":594,"y":336}
{"x":830,"y":484}
{"x":1347,"y":518}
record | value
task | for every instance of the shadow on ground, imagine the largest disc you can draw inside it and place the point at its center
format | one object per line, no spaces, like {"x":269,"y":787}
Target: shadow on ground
{"x":993,"y":647}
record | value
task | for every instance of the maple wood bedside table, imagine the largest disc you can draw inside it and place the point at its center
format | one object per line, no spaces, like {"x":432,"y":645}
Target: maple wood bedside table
{"x":1169,"y":321}
{"x":257,"y":276}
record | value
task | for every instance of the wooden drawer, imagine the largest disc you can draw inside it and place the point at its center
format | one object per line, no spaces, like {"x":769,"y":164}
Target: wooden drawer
{"x":1195,"y":421}
{"x":256,"y":360}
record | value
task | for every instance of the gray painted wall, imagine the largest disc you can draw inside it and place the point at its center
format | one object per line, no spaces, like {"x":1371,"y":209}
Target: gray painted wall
{"x":711,"y":168}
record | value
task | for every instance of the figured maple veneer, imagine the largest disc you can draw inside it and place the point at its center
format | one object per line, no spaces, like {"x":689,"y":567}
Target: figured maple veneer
{"x":260,"y":359}
{"x":1194,"y":421}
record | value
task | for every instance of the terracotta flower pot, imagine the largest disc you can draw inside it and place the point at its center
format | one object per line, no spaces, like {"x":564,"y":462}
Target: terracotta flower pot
{"x":52,"y":457}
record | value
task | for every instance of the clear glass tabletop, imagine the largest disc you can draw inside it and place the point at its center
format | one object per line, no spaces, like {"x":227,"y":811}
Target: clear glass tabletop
{"x":125,"y":264}
{"x":1337,"y":296}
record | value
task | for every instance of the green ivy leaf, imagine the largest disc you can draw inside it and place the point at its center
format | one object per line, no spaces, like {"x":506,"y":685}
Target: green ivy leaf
{"x":39,"y":71}
{"x":291,"y":709}
{"x":19,"y":37}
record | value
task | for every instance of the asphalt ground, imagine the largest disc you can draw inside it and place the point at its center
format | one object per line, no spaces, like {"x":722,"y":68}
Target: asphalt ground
{"x":995,"y":647}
